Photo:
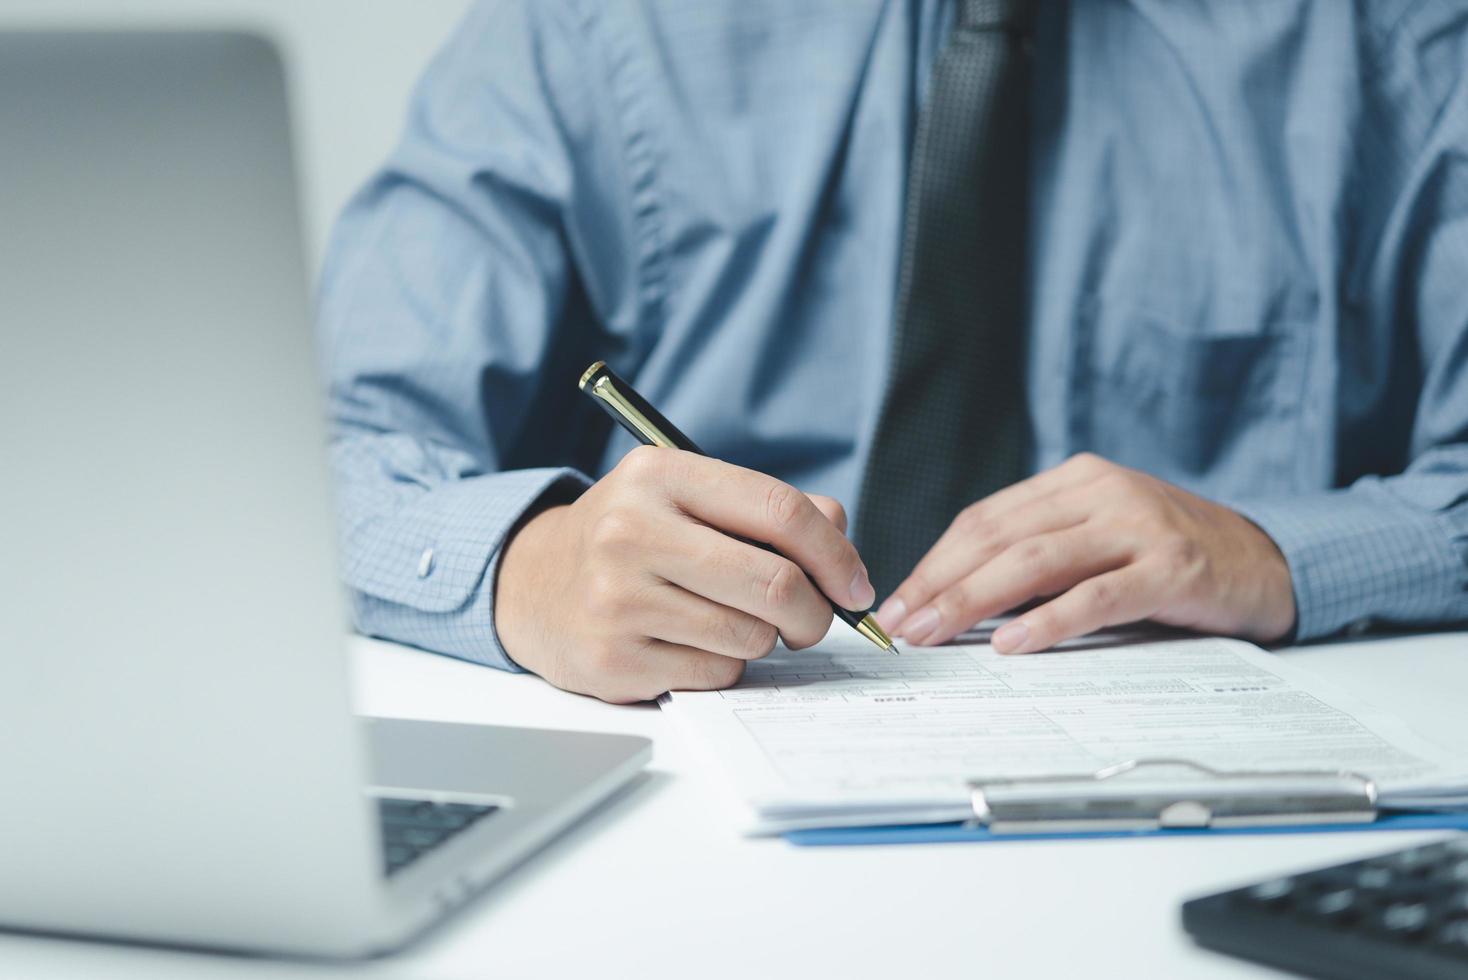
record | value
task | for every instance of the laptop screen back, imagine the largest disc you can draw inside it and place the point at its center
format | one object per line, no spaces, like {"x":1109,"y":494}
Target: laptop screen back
{"x":178,"y":756}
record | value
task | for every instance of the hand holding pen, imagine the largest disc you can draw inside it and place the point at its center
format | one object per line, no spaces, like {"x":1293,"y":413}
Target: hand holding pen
{"x":649,"y":582}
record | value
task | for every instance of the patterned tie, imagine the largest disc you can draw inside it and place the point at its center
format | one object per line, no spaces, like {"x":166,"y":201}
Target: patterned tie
{"x":954,"y":426}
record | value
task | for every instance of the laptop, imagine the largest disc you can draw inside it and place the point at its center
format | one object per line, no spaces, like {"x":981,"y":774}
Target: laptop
{"x":179,"y":758}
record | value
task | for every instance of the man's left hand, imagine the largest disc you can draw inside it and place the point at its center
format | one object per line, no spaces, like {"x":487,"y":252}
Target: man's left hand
{"x":1111,"y":545}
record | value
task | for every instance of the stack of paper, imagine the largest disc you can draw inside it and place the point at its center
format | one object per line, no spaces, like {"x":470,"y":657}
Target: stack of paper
{"x":845,"y":735}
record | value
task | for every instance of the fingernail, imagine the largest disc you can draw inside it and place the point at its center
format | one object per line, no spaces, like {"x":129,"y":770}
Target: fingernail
{"x":1011,"y":637}
{"x":862,"y":593}
{"x":891,"y":613}
{"x":922,"y":625}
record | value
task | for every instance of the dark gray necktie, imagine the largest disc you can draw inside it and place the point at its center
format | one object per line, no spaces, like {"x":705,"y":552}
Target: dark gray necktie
{"x":953,"y":426}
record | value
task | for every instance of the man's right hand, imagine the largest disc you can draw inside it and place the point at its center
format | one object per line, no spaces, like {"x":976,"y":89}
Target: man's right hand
{"x":640,"y":587}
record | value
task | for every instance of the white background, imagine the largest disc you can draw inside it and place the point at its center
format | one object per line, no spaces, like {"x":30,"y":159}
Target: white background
{"x":352,"y":65}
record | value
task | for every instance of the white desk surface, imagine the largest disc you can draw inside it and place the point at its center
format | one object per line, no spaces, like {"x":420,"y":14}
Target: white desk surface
{"x":659,"y":883}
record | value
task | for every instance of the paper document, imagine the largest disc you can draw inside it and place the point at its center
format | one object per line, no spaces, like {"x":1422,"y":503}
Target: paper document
{"x":843,"y":735}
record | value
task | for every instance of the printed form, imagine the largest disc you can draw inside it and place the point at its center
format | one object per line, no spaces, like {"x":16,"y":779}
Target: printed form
{"x":843,"y":734}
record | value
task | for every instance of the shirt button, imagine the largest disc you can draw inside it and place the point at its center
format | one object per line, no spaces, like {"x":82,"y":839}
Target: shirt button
{"x":425,"y":563}
{"x":1359,"y":627}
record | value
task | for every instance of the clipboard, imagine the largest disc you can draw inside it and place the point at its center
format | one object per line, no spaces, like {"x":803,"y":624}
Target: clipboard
{"x":1155,"y":798}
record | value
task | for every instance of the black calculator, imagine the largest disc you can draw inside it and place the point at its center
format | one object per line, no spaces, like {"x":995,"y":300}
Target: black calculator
{"x":1400,"y":915}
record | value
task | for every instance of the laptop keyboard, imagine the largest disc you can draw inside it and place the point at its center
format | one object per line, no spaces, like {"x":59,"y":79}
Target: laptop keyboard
{"x":412,"y":828}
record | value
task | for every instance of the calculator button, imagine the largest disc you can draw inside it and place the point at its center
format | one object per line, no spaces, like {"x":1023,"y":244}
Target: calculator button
{"x":1336,"y":905}
{"x":1454,"y":934}
{"x":1276,"y":892}
{"x":1405,"y":919}
{"x":1456,"y":871}
{"x":1373,"y":878}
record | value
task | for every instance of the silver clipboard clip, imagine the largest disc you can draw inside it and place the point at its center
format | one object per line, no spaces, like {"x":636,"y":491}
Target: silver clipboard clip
{"x":1160,"y":794}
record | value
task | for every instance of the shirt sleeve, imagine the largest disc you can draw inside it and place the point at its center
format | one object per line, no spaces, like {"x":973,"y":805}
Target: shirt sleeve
{"x":1388,"y":550}
{"x":1393,"y":549}
{"x":442,"y":303}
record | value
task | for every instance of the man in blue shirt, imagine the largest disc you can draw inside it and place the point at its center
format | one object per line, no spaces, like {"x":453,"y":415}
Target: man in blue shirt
{"x":1245,"y":364}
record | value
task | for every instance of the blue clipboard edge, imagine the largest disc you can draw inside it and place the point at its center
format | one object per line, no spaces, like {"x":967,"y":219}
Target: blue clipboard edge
{"x":962,"y":833}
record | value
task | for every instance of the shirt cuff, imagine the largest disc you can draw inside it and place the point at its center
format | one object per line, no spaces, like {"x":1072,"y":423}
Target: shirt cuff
{"x":1358,"y":556}
{"x":428,"y":580}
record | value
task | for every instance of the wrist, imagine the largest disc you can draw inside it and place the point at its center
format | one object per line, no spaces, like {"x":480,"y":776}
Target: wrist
{"x":1276,"y":600}
{"x":523,"y":582}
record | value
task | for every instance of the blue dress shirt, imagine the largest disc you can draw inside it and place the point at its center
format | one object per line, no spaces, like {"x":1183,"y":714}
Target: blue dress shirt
{"x":1250,"y":273}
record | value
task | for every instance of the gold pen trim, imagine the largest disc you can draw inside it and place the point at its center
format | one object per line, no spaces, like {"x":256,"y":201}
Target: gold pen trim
{"x":586,"y":375}
{"x":868,"y":628}
{"x":607,"y":392}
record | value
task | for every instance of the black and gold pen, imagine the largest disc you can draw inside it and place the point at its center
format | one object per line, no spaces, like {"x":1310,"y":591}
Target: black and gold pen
{"x":618,"y":399}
